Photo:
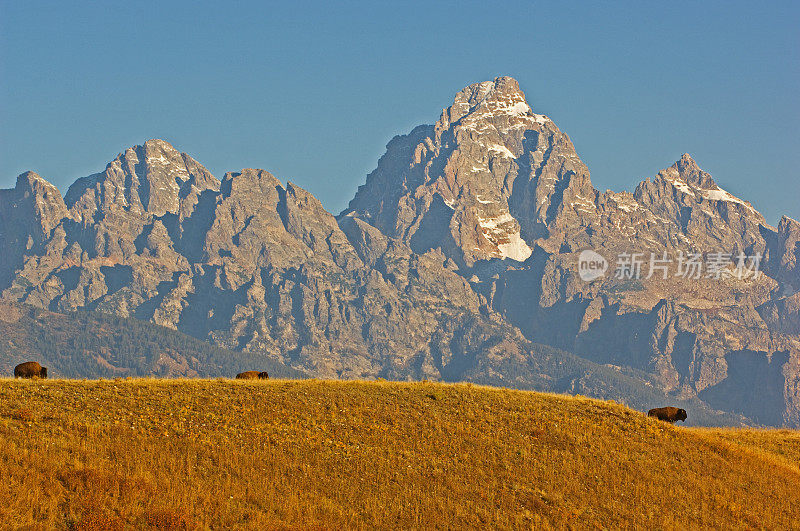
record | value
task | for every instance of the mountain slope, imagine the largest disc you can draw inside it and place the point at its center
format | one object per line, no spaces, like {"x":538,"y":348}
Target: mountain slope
{"x":225,"y":454}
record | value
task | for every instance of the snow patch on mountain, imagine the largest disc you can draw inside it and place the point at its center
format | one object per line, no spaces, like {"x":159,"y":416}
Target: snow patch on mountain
{"x":516,"y":248}
{"x":717,"y":194}
{"x":520,"y":108}
{"x":161,"y":158}
{"x":503,"y":232}
{"x":721,"y":195}
{"x":504,"y":151}
{"x":493,"y":223}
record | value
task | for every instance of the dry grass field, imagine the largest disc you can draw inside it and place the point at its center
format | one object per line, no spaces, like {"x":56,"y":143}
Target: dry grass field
{"x":197,"y":454}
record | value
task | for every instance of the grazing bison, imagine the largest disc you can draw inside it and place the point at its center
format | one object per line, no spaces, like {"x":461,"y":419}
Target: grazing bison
{"x":668,"y":414}
{"x":30,"y":369}
{"x":252,"y":375}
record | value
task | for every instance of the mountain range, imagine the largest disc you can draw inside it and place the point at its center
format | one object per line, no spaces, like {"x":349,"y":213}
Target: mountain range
{"x":459,"y":259}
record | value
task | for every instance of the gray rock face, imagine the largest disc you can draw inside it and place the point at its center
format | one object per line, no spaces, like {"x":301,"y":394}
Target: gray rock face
{"x":787,"y":253}
{"x":28,"y":214}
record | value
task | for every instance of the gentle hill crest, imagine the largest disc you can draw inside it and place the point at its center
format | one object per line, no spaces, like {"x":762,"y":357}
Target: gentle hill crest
{"x":373,"y":454}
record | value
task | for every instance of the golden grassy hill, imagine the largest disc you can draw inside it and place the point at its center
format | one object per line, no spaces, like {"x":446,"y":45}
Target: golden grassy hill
{"x":232,"y":454}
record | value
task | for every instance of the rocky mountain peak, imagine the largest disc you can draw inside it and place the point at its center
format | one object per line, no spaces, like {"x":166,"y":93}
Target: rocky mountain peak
{"x":788,"y":224}
{"x":499,"y":105}
{"x":788,"y":252}
{"x":686,"y":171}
{"x":28,"y":214}
{"x":500,"y":92}
{"x":500,"y":97}
{"x":28,"y":180}
{"x":249,"y":181}
{"x":688,"y":184}
{"x":687,"y":164}
{"x":500,"y":87}
{"x":153,"y":177}
{"x":482,"y":185}
{"x":42,"y":200}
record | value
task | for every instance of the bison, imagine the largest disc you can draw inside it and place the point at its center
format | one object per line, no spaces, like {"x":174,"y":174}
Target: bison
{"x":668,"y":414}
{"x":252,"y":375}
{"x":30,"y":369}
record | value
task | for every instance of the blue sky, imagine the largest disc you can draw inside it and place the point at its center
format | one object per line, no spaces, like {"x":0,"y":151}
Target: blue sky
{"x":314,"y":91}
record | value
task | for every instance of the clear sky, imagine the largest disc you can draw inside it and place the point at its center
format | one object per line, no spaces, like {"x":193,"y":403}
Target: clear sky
{"x":314,"y":91}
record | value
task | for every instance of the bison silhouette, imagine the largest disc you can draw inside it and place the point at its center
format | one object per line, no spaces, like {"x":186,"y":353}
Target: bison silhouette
{"x":668,"y":414}
{"x":252,"y":375}
{"x":30,"y":369}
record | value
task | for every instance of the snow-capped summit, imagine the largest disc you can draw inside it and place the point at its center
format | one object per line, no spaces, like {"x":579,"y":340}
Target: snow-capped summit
{"x":480,"y":184}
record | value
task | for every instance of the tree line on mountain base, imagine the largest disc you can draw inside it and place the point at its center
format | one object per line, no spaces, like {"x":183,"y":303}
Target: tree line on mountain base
{"x":96,"y":345}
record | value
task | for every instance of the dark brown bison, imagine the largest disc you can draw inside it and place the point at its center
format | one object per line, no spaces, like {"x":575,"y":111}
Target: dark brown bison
{"x":30,"y":369}
{"x":668,"y":414}
{"x":252,"y":375}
